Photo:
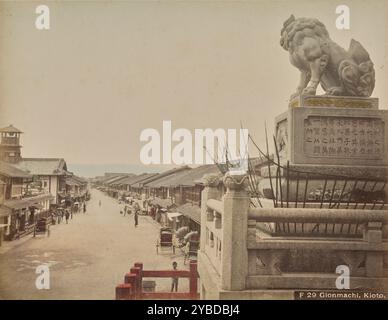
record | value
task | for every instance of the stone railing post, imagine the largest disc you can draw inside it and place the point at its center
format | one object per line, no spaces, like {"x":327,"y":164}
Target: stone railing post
{"x":209,"y":192}
{"x":234,"y":256}
{"x":374,"y":259}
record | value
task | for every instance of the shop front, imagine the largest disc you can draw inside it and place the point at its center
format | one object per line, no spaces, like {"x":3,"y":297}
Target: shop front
{"x":23,"y":214}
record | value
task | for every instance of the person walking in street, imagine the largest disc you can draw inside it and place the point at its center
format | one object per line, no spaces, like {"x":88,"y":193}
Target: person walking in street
{"x":136,"y":217}
{"x":84,"y":207}
{"x":158,"y":214}
{"x":174,"y":279}
{"x":125,"y":210}
{"x":67,"y":215}
{"x":52,"y":217}
{"x":152,"y":212}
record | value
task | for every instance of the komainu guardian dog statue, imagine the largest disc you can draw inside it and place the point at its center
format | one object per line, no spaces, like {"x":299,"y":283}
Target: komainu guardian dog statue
{"x":322,"y":61}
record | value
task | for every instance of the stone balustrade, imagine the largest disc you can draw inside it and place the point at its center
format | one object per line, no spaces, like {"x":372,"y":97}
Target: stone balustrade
{"x":310,"y":262}
{"x":235,"y":256}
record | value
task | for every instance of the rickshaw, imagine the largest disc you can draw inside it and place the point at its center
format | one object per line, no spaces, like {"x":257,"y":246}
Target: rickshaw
{"x":42,"y":226}
{"x":192,"y":246}
{"x":165,"y":240}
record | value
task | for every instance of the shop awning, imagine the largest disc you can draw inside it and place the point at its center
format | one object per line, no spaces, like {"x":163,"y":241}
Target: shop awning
{"x":172,"y":215}
{"x":37,"y":206}
{"x":27,"y":202}
{"x":193,"y":212}
{"x":164,"y":203}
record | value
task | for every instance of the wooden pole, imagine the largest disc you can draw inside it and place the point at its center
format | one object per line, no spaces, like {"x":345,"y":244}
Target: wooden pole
{"x":193,"y":282}
{"x":136,"y":271}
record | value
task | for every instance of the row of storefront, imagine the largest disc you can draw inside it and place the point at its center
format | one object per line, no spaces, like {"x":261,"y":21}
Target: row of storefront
{"x":32,"y":188}
{"x":175,"y":194}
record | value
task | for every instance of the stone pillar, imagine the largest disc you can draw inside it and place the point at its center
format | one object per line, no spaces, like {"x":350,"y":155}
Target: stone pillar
{"x":374,"y":259}
{"x":209,"y":192}
{"x":234,"y":256}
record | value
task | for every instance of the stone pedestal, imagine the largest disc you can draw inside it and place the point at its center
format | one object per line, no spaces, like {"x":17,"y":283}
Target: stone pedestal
{"x":342,"y":137}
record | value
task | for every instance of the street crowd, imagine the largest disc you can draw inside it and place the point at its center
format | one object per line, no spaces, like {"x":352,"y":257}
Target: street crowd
{"x":65,"y":214}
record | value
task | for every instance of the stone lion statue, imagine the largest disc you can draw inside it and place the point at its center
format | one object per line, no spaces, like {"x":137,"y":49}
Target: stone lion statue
{"x":321,"y":60}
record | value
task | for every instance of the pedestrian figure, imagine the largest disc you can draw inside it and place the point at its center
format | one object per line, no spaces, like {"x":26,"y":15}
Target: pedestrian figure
{"x":136,"y":218}
{"x":158,"y":214}
{"x":152,"y":212}
{"x":125,"y":211}
{"x":84,"y":207}
{"x":174,"y":279}
{"x":67,"y":215}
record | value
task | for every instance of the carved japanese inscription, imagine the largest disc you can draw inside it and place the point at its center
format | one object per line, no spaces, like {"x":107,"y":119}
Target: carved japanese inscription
{"x":343,"y":137}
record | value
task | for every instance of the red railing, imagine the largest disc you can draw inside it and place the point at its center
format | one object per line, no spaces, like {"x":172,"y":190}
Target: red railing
{"x":132,"y":288}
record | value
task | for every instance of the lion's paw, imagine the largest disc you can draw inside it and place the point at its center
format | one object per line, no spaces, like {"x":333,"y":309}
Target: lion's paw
{"x":311,"y":91}
{"x":334,"y":91}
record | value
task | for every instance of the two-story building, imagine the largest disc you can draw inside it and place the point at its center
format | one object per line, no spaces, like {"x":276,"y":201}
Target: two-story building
{"x":19,"y":209}
{"x":76,"y":188}
{"x":49,"y":174}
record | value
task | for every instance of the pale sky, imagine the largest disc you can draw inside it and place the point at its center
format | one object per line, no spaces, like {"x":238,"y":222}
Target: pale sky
{"x":85,"y":89}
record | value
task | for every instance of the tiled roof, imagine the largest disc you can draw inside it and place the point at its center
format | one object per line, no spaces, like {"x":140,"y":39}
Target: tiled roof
{"x":75,"y":181}
{"x":43,"y":166}
{"x":113,"y":179}
{"x":186,"y":177}
{"x":164,"y":174}
{"x":142,"y":179}
{"x":10,"y":170}
{"x":10,"y":129}
{"x":103,"y":179}
{"x":79,"y":179}
{"x":169,"y":180}
{"x":196,"y":175}
{"x":191,"y":210}
{"x":109,"y":175}
{"x":127,"y":180}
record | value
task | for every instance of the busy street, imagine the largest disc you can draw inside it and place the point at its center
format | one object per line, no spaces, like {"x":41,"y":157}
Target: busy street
{"x":87,"y":257}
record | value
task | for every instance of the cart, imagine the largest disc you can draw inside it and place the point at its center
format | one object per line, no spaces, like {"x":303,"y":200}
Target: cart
{"x":165,"y":240}
{"x":192,"y":246}
{"x":42,"y":226}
